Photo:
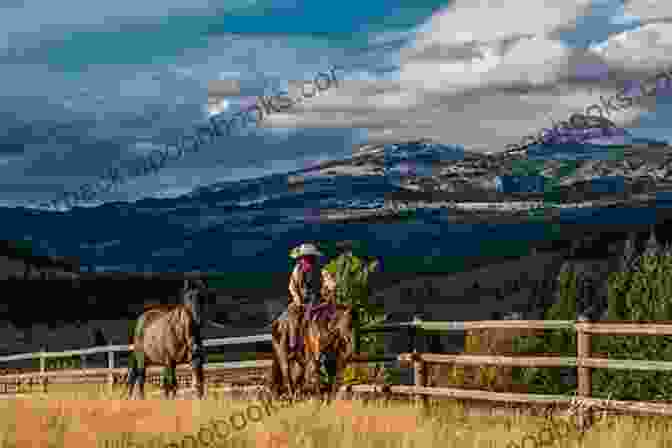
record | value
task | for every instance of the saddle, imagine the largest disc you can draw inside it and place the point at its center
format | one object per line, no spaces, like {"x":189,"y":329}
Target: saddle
{"x":304,"y":314}
{"x":324,"y":310}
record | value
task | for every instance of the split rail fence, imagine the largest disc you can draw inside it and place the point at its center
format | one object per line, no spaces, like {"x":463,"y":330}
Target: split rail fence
{"x":583,"y":362}
{"x":225,"y":372}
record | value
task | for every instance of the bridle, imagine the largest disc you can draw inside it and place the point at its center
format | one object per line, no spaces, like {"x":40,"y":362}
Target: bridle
{"x":194,"y":297}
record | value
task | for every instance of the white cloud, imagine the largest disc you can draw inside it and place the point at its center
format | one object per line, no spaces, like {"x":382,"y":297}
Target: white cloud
{"x":488,"y":20}
{"x":649,"y":10}
{"x":479,"y":73}
{"x":482,"y":74}
{"x":647,"y":48}
{"x":218,"y":107}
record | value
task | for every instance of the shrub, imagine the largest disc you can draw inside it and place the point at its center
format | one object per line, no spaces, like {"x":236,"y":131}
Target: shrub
{"x":64,"y":363}
{"x":352,"y":288}
{"x":370,"y":375}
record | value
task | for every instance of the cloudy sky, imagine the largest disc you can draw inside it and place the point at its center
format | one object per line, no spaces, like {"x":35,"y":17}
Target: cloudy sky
{"x":87,"y":84}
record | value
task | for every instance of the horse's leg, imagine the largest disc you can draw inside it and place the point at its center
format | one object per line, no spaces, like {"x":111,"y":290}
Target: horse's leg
{"x":198,"y":378}
{"x":136,"y":376}
{"x":172,"y":384}
{"x":197,"y":361}
{"x":130,"y":380}
{"x":173,"y":381}
{"x":338,"y":377}
{"x":283,"y":354}
{"x":296,"y":372}
{"x":141,"y":374}
{"x":275,"y":379}
{"x":166,"y":381}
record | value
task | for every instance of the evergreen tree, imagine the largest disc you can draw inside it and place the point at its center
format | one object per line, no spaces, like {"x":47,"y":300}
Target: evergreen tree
{"x":652,"y":246}
{"x":629,"y":253}
{"x":643,"y":293}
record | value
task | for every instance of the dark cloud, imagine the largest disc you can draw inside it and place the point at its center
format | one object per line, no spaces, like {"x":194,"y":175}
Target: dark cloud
{"x":11,"y":148}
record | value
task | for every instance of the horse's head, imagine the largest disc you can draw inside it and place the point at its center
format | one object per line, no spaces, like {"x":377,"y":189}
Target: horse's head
{"x":195,"y":296}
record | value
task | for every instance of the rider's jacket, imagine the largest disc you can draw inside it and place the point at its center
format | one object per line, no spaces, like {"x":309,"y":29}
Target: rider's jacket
{"x":304,"y":287}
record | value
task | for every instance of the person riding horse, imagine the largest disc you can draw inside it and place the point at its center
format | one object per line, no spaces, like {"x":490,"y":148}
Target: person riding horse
{"x":315,"y":332}
{"x":307,"y":286}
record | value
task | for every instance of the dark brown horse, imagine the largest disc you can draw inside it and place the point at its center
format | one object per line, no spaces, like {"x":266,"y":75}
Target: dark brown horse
{"x":287,"y":368}
{"x":169,"y":335}
{"x":298,"y":370}
{"x":330,"y":337}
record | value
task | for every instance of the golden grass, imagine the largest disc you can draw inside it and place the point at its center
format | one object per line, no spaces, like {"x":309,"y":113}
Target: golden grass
{"x":106,"y":422}
{"x":83,"y":390}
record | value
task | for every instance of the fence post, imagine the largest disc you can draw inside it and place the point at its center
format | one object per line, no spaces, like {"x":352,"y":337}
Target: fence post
{"x":419,"y":371}
{"x":43,"y":370}
{"x":411,"y":338}
{"x":419,"y":366}
{"x":583,"y":351}
{"x":584,"y":374}
{"x":110,"y":365}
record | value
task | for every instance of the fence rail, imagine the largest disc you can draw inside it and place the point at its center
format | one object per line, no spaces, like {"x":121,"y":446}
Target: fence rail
{"x":128,"y":348}
{"x":112,"y":372}
{"x":583,"y":361}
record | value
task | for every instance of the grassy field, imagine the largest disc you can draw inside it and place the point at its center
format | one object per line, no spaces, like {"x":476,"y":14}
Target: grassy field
{"x":80,"y":420}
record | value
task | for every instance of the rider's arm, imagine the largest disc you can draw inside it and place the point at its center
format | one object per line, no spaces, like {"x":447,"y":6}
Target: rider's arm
{"x":328,"y":286}
{"x":295,"y":293}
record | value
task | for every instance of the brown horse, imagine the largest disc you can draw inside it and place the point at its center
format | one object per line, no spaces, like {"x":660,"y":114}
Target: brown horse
{"x":333,"y":339}
{"x":287,"y":367}
{"x":329,"y":335}
{"x":170,"y":335}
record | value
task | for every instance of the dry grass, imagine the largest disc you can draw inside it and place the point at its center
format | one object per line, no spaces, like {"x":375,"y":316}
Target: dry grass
{"x":105,"y":421}
{"x":493,"y":341}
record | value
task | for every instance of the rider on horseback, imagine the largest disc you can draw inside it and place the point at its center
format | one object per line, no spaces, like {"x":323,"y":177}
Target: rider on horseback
{"x":305,"y":284}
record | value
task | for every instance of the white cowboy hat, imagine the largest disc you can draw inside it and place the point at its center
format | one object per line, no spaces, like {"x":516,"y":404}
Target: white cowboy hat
{"x":305,"y":249}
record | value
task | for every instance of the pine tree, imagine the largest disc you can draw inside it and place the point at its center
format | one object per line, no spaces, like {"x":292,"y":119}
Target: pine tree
{"x":629,"y":253}
{"x":652,"y":246}
{"x":642,"y":293}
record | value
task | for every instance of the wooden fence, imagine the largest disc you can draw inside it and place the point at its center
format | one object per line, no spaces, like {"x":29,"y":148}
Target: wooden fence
{"x":583,"y":362}
{"x":113,"y":373}
{"x":419,"y":361}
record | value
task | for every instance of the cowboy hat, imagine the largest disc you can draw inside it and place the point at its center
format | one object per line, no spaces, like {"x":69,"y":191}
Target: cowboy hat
{"x":305,"y":249}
